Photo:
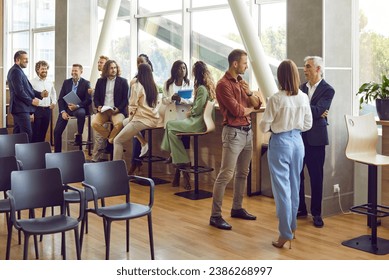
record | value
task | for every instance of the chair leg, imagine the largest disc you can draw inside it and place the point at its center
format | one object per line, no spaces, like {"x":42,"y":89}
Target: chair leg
{"x":36,"y":247}
{"x":128,"y":235}
{"x":43,"y":215}
{"x":63,"y":245}
{"x":149,"y":220}
{"x":25,"y":251}
{"x":107,"y":231}
{"x":32,"y":215}
{"x":19,"y":233}
{"x":82,"y":229}
{"x":77,"y":240}
{"x":8,"y":251}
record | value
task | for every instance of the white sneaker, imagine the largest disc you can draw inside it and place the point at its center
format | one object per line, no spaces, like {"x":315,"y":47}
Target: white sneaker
{"x":144,"y":150}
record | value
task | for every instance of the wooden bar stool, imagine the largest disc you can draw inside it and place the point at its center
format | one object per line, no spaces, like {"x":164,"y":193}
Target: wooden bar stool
{"x":196,"y":168}
{"x":361,"y":147}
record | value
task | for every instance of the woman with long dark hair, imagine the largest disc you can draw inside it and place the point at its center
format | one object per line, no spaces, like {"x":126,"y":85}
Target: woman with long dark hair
{"x":204,"y":90}
{"x":142,"y":107}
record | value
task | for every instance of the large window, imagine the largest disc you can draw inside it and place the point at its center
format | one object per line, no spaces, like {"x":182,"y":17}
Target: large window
{"x":214,"y":36}
{"x":373,"y":43}
{"x":161,"y":39}
{"x":31,"y":28}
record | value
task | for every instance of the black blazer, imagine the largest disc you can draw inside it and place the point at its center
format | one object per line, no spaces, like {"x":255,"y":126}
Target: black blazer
{"x":21,"y":91}
{"x":120,"y":94}
{"x":82,"y":92}
{"x":321,"y":101}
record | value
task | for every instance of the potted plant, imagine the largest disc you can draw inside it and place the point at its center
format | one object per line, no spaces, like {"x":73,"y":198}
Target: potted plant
{"x":378,"y":92}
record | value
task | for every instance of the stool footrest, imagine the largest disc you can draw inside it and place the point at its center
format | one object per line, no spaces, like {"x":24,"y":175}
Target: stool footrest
{"x":199,"y":169}
{"x":369,"y":209}
{"x":151,"y":159}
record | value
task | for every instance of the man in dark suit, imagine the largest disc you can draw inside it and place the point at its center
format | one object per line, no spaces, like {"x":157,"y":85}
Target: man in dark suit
{"x":320,"y":94}
{"x":80,"y":86}
{"x":111,"y":92}
{"x":23,"y":98}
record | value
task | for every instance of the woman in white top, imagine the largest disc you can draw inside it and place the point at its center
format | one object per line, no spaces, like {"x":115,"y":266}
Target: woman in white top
{"x":287,"y":114}
{"x":176,"y":106}
{"x":142,"y":109}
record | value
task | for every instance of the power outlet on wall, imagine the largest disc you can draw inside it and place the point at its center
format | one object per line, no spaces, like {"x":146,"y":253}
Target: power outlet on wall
{"x":336,"y":188}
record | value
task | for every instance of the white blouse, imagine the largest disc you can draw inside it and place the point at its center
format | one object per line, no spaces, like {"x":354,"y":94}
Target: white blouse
{"x":285,"y":113}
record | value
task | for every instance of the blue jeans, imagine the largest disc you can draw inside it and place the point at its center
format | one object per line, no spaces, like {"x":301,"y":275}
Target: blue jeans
{"x":236,"y":157}
{"x":285,"y":156}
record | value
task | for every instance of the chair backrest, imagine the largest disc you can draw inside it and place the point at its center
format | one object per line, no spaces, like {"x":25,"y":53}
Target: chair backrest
{"x":109,"y":178}
{"x":7,"y":165}
{"x":209,"y":116}
{"x":71,"y":165}
{"x":3,"y":130}
{"x":37,"y":188}
{"x":32,"y":155}
{"x":8,"y":141}
{"x":362,"y":135}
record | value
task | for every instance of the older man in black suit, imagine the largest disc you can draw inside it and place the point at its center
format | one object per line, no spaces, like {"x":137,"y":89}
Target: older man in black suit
{"x":23,"y":98}
{"x":320,"y":94}
{"x":80,"y":86}
{"x":111,"y":101}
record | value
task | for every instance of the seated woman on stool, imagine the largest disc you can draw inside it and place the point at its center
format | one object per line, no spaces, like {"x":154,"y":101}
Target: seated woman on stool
{"x":142,"y":109}
{"x":204,"y":90}
{"x":139,"y":145}
{"x":176,"y":106}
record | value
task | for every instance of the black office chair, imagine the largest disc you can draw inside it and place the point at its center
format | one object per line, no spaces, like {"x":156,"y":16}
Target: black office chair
{"x":109,"y":179}
{"x":8,"y":141}
{"x":3,"y":131}
{"x":7,"y":165}
{"x":32,"y":155}
{"x":71,"y":165}
{"x":40,"y":188}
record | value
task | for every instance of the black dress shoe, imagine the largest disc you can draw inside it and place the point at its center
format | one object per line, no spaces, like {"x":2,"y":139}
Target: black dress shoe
{"x":318,"y":222}
{"x":168,"y":160}
{"x":242,"y":214}
{"x":220,"y":223}
{"x":302,"y":214}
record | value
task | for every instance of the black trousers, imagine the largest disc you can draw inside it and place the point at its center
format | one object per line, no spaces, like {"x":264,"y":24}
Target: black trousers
{"x":61,"y":125}
{"x":314,"y":160}
{"x":42,"y":117}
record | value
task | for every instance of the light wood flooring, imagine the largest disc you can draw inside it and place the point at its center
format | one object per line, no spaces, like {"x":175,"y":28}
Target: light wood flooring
{"x":182,"y":232}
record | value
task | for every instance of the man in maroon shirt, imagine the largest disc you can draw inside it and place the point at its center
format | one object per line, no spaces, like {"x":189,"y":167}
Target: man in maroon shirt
{"x":236,"y":102}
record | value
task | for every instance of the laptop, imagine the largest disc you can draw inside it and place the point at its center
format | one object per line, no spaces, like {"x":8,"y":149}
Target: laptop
{"x":72,"y":97}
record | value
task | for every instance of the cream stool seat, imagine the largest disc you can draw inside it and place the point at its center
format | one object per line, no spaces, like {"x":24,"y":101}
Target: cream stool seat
{"x":361,"y":147}
{"x":196,"y":168}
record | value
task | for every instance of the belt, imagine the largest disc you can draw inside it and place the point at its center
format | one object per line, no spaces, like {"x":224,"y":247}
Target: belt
{"x":244,"y":127}
{"x":44,"y":107}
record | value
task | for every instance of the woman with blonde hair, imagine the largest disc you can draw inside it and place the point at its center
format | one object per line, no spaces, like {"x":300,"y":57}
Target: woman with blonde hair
{"x":287,"y":114}
{"x":204,"y":90}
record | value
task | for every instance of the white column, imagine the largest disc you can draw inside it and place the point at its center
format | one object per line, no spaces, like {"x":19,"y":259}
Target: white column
{"x":105,"y":36}
{"x":253,"y":47}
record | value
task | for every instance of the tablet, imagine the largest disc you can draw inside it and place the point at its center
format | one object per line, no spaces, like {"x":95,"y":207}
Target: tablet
{"x":73,"y":98}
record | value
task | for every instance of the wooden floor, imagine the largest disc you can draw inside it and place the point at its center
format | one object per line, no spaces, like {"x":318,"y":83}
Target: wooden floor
{"x":182,"y":232}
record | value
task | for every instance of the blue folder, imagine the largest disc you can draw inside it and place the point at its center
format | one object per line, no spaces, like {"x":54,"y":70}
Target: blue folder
{"x":185,"y":93}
